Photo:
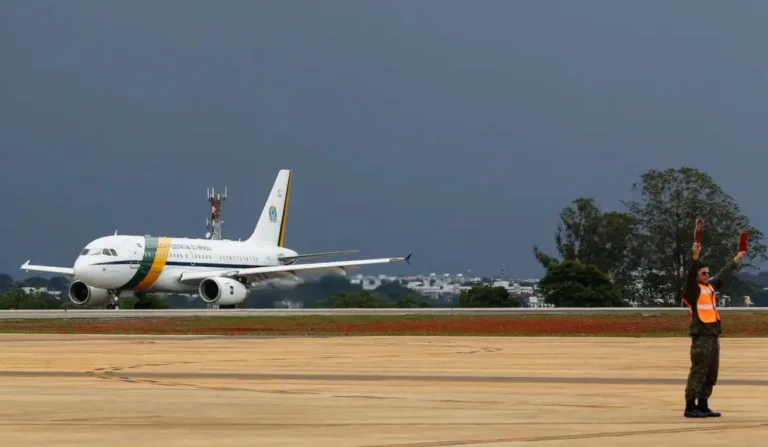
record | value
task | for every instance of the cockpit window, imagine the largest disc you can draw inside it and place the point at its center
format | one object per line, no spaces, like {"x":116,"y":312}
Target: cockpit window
{"x":84,"y":252}
{"x":106,"y":252}
{"x":112,"y":250}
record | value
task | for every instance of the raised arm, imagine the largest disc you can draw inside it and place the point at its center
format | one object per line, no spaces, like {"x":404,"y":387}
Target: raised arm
{"x":691,"y":286}
{"x":723,"y":277}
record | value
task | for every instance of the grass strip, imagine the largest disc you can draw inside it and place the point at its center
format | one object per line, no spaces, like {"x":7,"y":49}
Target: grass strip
{"x":738,"y":325}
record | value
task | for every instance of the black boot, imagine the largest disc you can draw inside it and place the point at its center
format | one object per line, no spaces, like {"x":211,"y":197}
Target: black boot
{"x":692,"y":411}
{"x":704,"y":408}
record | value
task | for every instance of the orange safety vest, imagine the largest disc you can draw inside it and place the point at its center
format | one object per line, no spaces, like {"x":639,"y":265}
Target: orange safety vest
{"x":706,"y":308}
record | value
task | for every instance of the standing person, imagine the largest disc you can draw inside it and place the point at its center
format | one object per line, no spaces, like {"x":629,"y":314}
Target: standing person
{"x":705,"y":330}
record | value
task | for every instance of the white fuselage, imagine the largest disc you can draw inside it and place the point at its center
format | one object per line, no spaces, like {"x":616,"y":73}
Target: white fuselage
{"x":154,"y":264}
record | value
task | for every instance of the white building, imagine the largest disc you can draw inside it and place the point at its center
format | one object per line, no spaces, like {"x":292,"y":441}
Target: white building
{"x":30,"y":290}
{"x":448,"y":286}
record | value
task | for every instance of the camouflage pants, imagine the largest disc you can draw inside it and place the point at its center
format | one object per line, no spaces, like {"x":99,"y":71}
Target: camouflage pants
{"x":705,"y":365}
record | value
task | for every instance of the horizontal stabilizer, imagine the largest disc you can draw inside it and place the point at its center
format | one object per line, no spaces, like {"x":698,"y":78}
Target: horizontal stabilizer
{"x":288,"y":271}
{"x":287,"y":259}
{"x":44,"y":268}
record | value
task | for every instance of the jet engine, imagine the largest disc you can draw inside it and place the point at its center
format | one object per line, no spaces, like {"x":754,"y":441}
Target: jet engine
{"x":84,"y":295}
{"x":222,"y":291}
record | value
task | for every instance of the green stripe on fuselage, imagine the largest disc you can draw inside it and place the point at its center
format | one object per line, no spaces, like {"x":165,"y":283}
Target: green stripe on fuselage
{"x":150,"y":251}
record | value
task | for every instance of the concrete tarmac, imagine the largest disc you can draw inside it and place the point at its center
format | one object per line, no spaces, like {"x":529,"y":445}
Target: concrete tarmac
{"x":99,"y":390}
{"x":102,"y":314}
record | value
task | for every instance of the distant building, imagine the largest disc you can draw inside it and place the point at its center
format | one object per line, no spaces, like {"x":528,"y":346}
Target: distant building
{"x":30,"y":290}
{"x":447,"y":287}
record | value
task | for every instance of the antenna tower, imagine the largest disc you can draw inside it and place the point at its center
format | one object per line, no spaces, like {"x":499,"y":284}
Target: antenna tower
{"x":214,"y":222}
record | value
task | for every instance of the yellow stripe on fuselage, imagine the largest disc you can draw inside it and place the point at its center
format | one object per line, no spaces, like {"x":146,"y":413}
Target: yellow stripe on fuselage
{"x":158,"y":263}
{"x":281,"y":239}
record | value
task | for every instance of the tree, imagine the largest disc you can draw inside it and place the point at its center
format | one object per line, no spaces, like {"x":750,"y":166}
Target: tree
{"x":314,"y":293}
{"x":760,"y":299}
{"x":6,"y":282}
{"x":487,"y":296}
{"x":664,"y":219}
{"x":737,"y":289}
{"x":606,"y":240}
{"x":362,"y":299}
{"x":59,"y":283}
{"x":18,"y":299}
{"x":574,"y":284}
{"x":36,"y":281}
{"x":760,"y":278}
{"x":394,"y":291}
{"x":411,"y":301}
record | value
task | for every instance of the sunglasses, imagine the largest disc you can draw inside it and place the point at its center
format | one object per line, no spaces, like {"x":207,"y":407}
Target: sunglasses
{"x":705,"y":273}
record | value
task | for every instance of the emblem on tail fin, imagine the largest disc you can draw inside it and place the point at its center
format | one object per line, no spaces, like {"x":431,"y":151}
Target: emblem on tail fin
{"x":272,"y":214}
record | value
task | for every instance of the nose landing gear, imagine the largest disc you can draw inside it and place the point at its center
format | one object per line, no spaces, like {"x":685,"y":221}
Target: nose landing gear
{"x":114,"y":296}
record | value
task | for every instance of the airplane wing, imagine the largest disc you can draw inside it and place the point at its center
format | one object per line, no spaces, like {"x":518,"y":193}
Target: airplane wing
{"x":287,"y":259}
{"x":289,"y":271}
{"x":44,"y":268}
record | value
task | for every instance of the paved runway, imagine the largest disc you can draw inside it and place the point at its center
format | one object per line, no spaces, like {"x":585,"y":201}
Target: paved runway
{"x":100,"y":390}
{"x":155,"y":313}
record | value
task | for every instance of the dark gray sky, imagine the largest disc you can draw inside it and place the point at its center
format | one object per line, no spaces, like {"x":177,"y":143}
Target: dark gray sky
{"x":453,"y":129}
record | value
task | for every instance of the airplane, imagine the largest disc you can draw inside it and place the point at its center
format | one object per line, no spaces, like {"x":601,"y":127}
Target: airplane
{"x":219,"y":271}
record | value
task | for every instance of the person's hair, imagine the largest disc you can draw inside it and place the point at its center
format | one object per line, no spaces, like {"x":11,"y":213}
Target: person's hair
{"x":703,"y":265}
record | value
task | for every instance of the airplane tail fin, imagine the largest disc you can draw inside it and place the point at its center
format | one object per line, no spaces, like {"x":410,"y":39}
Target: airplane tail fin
{"x":270,"y":229}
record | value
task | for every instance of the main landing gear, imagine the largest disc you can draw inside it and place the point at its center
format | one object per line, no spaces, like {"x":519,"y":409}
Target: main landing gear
{"x":114,"y":296}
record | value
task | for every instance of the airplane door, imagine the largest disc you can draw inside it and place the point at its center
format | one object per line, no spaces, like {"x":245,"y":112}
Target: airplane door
{"x":135,"y":259}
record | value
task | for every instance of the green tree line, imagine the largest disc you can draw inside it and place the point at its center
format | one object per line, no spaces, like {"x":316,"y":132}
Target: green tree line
{"x":325,"y":292}
{"x":638,"y":255}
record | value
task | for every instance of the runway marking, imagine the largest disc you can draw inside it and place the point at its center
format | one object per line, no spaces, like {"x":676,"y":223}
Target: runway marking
{"x":198,"y":386}
{"x":121,"y":421}
{"x":688,"y":429}
{"x":122,"y":372}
